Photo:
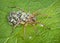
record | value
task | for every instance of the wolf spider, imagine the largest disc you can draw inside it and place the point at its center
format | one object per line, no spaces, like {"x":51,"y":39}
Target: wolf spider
{"x":21,"y":17}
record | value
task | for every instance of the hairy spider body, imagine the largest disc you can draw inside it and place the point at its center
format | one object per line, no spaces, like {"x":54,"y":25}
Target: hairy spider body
{"x":21,"y":17}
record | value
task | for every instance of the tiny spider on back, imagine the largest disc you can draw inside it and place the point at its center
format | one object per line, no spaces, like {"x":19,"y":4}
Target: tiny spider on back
{"x":21,"y":17}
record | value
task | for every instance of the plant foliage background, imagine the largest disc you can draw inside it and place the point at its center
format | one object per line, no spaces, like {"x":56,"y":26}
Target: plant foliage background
{"x":49,"y":14}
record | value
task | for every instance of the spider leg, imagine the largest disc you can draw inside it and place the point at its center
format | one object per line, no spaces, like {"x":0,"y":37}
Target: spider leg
{"x":25,"y":30}
{"x":35,"y":29}
{"x":14,"y":26}
{"x":17,"y":8}
{"x":43,"y":25}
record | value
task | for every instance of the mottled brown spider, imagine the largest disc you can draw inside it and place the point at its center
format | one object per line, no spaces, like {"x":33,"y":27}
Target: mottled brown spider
{"x":21,"y":17}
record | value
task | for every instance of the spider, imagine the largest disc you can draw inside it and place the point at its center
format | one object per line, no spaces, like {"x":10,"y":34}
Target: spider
{"x":21,"y":17}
